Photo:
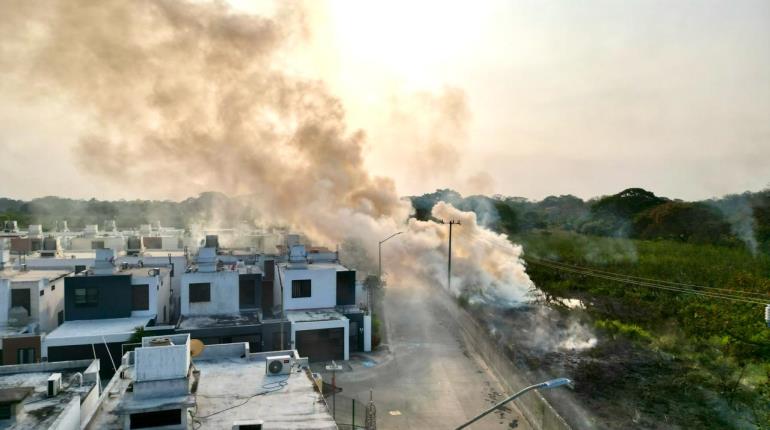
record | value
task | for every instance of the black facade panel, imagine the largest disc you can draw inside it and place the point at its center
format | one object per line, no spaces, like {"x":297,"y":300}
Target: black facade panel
{"x":113,"y":297}
{"x":356,"y":341}
{"x":255,"y":295}
{"x":346,"y":288}
{"x":86,"y":352}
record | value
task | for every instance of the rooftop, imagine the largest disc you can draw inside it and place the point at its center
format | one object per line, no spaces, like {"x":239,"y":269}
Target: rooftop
{"x":317,"y":266}
{"x":143,"y":271}
{"x":28,"y":384}
{"x":314,"y":315}
{"x":32,"y":275}
{"x":112,"y":329}
{"x":231,"y":386}
{"x":226,"y":382}
{"x":215,"y":321}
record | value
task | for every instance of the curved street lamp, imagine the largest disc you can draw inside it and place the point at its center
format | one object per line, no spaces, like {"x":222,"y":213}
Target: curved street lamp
{"x":553,"y":383}
{"x":379,"y":267}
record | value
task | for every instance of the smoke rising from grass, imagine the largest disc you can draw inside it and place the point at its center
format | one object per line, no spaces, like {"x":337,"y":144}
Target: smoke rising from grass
{"x":188,"y":97}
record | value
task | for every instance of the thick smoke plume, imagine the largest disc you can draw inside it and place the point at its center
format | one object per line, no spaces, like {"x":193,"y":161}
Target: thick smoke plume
{"x":187,"y":97}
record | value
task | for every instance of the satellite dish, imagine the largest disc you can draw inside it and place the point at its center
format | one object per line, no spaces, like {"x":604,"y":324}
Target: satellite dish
{"x":196,"y":347}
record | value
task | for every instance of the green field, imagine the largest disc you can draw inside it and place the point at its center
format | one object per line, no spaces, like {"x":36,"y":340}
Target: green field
{"x":681,"y":359}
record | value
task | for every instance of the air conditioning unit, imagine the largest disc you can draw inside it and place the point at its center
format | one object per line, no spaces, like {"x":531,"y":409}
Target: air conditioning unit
{"x":248,"y":425}
{"x":54,"y":384}
{"x":278,"y":365}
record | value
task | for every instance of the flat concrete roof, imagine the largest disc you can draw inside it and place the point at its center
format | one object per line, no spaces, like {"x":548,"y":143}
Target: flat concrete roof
{"x":37,"y":409}
{"x":316,"y":266}
{"x":215,"y":321}
{"x":143,"y":271}
{"x":231,"y":388}
{"x":33,"y":275}
{"x":310,"y":315}
{"x":250,"y":270}
{"x":227,"y":382}
{"x":112,"y":329}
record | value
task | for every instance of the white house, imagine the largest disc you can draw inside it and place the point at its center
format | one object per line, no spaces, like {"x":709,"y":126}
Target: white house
{"x":319,"y":297}
{"x":208,"y":291}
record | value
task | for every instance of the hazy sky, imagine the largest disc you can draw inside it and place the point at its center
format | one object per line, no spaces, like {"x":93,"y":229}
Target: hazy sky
{"x":584,"y":97}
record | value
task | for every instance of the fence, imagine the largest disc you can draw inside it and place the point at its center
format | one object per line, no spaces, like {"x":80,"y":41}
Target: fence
{"x":349,"y":413}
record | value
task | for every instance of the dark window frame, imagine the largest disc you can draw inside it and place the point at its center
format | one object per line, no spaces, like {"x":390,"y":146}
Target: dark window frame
{"x":90,"y":297}
{"x":144,"y":300}
{"x":247,"y":289}
{"x":301,"y":288}
{"x":6,"y":411}
{"x":168,"y":417}
{"x":26,"y":355}
{"x":197,"y":294}
{"x":16,"y":295}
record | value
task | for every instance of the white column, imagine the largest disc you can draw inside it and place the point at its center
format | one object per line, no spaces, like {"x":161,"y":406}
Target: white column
{"x":367,"y":333}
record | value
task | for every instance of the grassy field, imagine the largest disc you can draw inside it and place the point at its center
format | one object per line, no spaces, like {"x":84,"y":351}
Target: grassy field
{"x":679,"y":360}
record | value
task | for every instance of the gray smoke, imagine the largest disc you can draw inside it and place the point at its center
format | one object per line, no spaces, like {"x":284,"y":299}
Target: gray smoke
{"x":188,"y":96}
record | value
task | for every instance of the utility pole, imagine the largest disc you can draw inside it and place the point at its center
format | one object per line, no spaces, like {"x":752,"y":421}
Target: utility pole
{"x":449,"y":261}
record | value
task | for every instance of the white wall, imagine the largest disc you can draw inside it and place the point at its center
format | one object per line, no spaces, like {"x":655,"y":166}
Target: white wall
{"x":69,"y":418}
{"x":161,"y":362}
{"x":224,"y":293}
{"x":323,"y":288}
{"x":367,"y":333}
{"x":5,"y":300}
{"x":50,"y":304}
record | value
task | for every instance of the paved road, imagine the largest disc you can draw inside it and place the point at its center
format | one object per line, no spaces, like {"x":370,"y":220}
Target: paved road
{"x":427,"y":380}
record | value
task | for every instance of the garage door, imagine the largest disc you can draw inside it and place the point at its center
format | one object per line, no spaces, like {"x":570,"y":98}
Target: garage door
{"x":321,"y":345}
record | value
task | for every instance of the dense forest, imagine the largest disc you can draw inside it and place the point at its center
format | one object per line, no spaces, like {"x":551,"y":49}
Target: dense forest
{"x":733,"y":220}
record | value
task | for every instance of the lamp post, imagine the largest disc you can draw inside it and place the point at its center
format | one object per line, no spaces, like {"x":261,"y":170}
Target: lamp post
{"x":334,"y":367}
{"x":553,"y":383}
{"x":379,"y":264}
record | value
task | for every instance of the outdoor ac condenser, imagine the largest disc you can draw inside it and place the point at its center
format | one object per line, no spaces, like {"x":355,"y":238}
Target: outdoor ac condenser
{"x":278,"y":365}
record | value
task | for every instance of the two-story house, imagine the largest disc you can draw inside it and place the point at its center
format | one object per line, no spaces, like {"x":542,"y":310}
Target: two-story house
{"x":105,"y":306}
{"x":31,"y":304}
{"x":223,"y":300}
{"x":320,"y":298}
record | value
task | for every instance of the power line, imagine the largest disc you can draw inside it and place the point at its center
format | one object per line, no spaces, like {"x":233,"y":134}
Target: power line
{"x":659,"y":281}
{"x":651,"y":285}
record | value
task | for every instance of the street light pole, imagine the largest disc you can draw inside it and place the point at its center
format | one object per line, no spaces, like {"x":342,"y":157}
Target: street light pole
{"x":334,"y":367}
{"x":379,"y":263}
{"x":558,"y":382}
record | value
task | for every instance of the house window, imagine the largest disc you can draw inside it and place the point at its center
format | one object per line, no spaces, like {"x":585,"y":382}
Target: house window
{"x":156,"y":419}
{"x":20,"y":298}
{"x":86,"y":297}
{"x":5,"y":411}
{"x":247,"y":293}
{"x":42,"y":292}
{"x":25,"y":355}
{"x":300,"y":288}
{"x":60,"y":317}
{"x":200,"y":292}
{"x":140,"y":297}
